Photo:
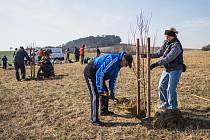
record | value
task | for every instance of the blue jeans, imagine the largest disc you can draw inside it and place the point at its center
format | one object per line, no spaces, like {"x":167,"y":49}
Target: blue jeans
{"x":167,"y":88}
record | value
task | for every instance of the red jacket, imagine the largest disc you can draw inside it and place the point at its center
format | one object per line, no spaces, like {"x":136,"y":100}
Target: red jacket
{"x":82,"y":51}
{"x":41,"y":53}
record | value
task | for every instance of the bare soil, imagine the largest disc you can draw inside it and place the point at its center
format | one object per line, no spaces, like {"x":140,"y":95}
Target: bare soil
{"x":59,"y":108}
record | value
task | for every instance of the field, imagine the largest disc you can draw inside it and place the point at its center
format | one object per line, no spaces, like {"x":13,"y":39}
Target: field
{"x":59,"y":108}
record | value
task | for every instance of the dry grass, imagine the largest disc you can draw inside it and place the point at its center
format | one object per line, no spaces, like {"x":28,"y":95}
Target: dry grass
{"x":60,"y":108}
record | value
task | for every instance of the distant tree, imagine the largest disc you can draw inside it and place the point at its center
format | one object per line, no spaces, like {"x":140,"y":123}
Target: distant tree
{"x":206,"y":48}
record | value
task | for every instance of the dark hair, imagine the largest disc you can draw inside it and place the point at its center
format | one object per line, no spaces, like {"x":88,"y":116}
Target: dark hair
{"x":129,"y":59}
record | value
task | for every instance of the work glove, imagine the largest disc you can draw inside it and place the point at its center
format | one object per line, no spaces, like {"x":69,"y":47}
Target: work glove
{"x":143,"y":55}
{"x":104,"y":93}
{"x":152,"y":66}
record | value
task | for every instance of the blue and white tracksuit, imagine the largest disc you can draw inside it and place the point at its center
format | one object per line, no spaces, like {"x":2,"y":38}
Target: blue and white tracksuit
{"x":172,"y":60}
{"x":104,"y":67}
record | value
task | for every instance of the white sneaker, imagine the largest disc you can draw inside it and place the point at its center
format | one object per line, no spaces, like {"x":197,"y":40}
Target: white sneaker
{"x":162,"y":107}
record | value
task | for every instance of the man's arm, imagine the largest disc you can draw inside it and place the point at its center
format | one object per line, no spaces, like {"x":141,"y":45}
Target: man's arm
{"x":160,"y":51}
{"x":100,"y":74}
{"x":157,"y":54}
{"x":26,"y":55}
{"x":112,"y":84}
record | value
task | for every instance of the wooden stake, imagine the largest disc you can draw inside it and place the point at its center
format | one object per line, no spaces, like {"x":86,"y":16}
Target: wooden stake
{"x":138,"y":77}
{"x":143,"y":75}
{"x":31,"y":63}
{"x":148,"y":79}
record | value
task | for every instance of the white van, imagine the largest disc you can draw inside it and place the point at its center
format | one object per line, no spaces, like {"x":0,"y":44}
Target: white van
{"x":57,"y":53}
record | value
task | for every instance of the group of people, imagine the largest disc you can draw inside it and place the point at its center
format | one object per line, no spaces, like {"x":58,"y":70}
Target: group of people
{"x":80,"y":54}
{"x":42,"y":53}
{"x":46,"y":68}
{"x":76,"y":54}
{"x":107,"y":66}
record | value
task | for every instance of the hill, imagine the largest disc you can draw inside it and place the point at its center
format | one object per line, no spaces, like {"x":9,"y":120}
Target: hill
{"x":93,"y":42}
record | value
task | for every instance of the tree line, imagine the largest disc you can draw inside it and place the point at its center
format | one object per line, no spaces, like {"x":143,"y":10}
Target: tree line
{"x":206,"y":48}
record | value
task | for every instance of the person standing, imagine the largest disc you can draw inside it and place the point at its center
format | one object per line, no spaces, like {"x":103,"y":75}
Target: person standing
{"x":98,"y":52}
{"x":4,"y":60}
{"x":82,"y":53}
{"x":172,"y":60}
{"x":14,"y":52}
{"x":19,"y":62}
{"x":100,"y":69}
{"x":76,"y":54}
{"x":67,"y":54}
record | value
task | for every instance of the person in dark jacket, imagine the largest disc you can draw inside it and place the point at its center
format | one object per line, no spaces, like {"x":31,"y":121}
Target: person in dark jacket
{"x":100,"y":69}
{"x":46,"y":69}
{"x":47,"y":53}
{"x":172,"y":60}
{"x":19,"y":62}
{"x":14,"y":52}
{"x":98,"y":52}
{"x":4,"y":60}
{"x":76,"y":54}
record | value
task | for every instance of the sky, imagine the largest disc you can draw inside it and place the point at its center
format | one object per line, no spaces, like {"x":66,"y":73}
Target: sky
{"x":55,"y":22}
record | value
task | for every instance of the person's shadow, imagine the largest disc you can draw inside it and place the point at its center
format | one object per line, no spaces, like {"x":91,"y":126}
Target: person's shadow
{"x":128,"y":115}
{"x":192,"y":119}
{"x":56,"y":77}
{"x":196,"y":119}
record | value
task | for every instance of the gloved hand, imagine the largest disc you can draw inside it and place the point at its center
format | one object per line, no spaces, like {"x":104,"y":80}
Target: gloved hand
{"x":152,"y":66}
{"x":104,"y":94}
{"x":143,"y":55}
